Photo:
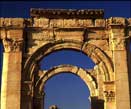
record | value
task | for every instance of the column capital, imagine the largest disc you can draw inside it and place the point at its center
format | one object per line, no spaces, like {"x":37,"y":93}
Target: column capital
{"x":12,"y":45}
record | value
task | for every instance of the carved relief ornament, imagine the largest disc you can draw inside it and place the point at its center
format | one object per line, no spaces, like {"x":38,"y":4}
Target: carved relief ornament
{"x":12,"y":45}
{"x":109,"y":95}
{"x":117,"y":44}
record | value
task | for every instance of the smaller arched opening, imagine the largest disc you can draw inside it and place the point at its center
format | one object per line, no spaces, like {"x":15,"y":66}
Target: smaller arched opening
{"x":83,"y":74}
{"x":67,"y":91}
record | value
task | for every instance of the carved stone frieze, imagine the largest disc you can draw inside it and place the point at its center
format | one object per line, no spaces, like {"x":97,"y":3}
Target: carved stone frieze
{"x":109,"y":95}
{"x":41,"y":22}
{"x":116,"y":21}
{"x":70,"y":13}
{"x":12,"y":45}
{"x":43,"y":36}
{"x":100,"y":22}
{"x":109,"y":91}
{"x":117,"y":44}
{"x":12,"y":22}
{"x":129,"y":21}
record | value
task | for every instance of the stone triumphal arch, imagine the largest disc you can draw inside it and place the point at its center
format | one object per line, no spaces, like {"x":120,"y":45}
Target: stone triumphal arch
{"x":27,"y":41}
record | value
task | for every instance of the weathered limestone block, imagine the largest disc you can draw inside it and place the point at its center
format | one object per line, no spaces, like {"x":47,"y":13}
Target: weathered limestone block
{"x":71,"y":23}
{"x":117,"y":33}
{"x":129,"y":25}
{"x":86,"y":23}
{"x":100,"y":23}
{"x":15,"y":34}
{"x":83,"y":74}
{"x":12,"y":22}
{"x":120,"y":55}
{"x":109,"y":91}
{"x":117,"y":37}
{"x":41,"y":22}
{"x":1,"y":22}
{"x":14,"y":25}
{"x":73,"y":35}
{"x":121,"y":76}
{"x":97,"y":34}
{"x":42,"y":36}
{"x":78,"y":23}
{"x":129,"y":21}
{"x":11,"y":79}
{"x":109,"y":95}
{"x":2,"y":34}
{"x":116,"y":21}
{"x":117,"y":44}
{"x":54,"y":23}
{"x":103,"y":44}
{"x":12,"y":45}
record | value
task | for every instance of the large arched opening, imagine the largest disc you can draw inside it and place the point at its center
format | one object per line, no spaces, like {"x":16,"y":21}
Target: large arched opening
{"x":62,"y":89}
{"x":93,"y":52}
{"x":66,"y":56}
{"x":31,"y":65}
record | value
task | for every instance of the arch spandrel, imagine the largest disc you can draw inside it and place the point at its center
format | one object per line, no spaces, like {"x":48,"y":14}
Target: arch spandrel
{"x":83,"y":74}
{"x":96,"y":54}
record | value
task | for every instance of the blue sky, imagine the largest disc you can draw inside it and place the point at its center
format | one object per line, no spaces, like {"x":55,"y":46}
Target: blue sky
{"x":66,"y":90}
{"x":21,"y":9}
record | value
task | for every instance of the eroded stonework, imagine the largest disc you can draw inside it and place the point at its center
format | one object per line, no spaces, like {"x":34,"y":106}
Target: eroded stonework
{"x":27,"y":41}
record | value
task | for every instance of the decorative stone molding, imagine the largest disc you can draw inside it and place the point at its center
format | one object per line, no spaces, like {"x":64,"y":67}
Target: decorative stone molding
{"x":12,"y":45}
{"x":100,"y":22}
{"x":116,"y":21}
{"x":83,"y":74}
{"x":70,"y":13}
{"x":109,"y":91}
{"x":109,"y":95}
{"x":117,"y":44}
{"x":97,"y":55}
{"x":11,"y":22}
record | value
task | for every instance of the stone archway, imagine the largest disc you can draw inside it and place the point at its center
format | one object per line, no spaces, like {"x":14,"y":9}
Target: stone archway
{"x":90,"y":50}
{"x":102,"y":61}
{"x":83,"y":74}
{"x":46,"y":75}
{"x":27,"y":41}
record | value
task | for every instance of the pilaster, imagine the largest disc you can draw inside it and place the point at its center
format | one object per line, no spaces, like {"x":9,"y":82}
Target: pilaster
{"x":12,"y":38}
{"x":97,"y":103}
{"x":117,"y":42}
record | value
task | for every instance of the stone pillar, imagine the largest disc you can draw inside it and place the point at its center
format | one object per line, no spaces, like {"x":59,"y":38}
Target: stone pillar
{"x":26,"y":95}
{"x":109,"y":95}
{"x":97,"y":103}
{"x":11,"y":74}
{"x":117,"y":41}
{"x":38,"y":102}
